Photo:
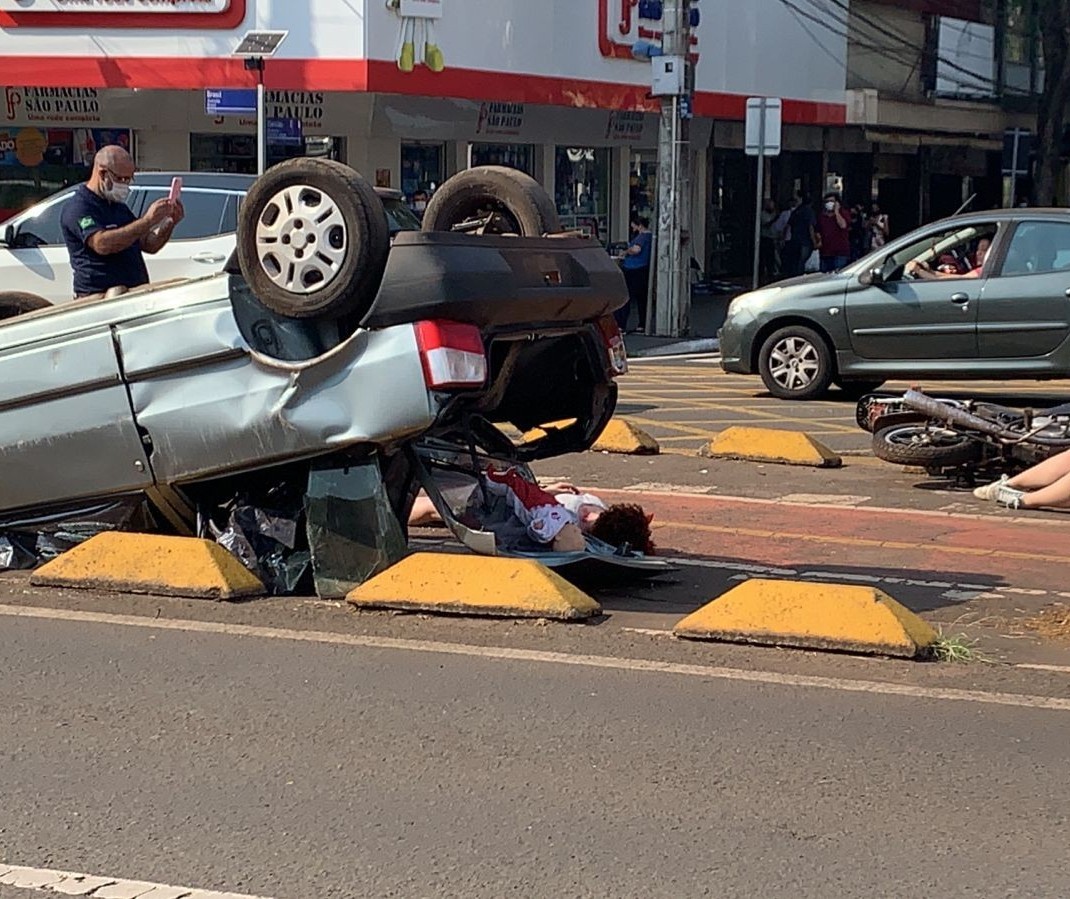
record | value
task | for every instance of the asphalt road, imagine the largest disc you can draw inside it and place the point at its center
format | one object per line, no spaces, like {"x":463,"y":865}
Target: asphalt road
{"x":297,"y":770}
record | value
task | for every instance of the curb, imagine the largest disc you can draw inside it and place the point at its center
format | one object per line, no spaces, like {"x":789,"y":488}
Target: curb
{"x":681,"y":348}
{"x":474,"y":585}
{"x":771,"y":445}
{"x":810,"y":615}
{"x":148,"y":563}
{"x":620,"y":436}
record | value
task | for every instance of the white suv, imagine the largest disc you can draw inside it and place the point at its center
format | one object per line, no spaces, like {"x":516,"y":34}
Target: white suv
{"x":33,"y":256}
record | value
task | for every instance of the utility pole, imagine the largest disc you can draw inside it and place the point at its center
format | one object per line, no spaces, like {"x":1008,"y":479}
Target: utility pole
{"x":673,"y":83}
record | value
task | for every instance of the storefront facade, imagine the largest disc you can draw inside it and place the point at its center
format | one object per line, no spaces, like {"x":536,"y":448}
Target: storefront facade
{"x":548,"y":87}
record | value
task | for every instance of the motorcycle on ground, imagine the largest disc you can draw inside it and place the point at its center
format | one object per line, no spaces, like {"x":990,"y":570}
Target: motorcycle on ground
{"x":961,"y":438}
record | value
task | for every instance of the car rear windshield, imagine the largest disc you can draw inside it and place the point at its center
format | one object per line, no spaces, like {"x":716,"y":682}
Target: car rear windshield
{"x":399,"y":216}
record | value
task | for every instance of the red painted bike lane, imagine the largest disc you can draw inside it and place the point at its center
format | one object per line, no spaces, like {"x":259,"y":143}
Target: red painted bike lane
{"x":1002,"y":547}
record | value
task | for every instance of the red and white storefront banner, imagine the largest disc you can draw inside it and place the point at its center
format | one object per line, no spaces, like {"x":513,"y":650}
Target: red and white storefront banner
{"x":572,"y":53}
{"x":121,"y":13}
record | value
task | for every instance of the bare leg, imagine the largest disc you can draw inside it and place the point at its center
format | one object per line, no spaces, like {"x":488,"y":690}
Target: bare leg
{"x":1055,"y":495}
{"x":423,"y":512}
{"x":1043,"y":473}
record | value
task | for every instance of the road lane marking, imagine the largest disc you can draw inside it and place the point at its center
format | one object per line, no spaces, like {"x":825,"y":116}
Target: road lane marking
{"x":513,"y":654}
{"x":69,"y":883}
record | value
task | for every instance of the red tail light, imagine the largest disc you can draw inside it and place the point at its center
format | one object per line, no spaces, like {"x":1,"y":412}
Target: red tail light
{"x":614,"y":343}
{"x":452,"y":354}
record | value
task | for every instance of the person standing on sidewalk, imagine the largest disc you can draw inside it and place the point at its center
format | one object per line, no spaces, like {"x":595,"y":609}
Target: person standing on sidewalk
{"x":767,"y":268}
{"x":800,"y":243}
{"x":636,"y":268}
{"x":834,"y":231}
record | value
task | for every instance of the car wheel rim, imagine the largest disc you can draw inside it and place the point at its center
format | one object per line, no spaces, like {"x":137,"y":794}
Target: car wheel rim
{"x":794,"y":363}
{"x":301,"y":239}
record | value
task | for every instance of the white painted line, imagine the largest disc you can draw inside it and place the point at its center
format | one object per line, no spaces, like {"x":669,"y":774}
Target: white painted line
{"x":67,"y":883}
{"x":512,"y":654}
{"x":1055,"y":669}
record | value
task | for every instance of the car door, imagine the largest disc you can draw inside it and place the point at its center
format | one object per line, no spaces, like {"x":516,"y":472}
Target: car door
{"x":36,"y":259}
{"x":1025,"y":307}
{"x":203,"y":241}
{"x":897,"y":317}
{"x":67,"y":430}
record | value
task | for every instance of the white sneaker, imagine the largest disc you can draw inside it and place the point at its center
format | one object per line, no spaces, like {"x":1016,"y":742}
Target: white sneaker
{"x":1008,"y":496}
{"x":989,"y":491}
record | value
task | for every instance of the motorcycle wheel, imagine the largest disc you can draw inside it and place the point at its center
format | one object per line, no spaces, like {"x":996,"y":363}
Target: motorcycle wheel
{"x":925,"y":447}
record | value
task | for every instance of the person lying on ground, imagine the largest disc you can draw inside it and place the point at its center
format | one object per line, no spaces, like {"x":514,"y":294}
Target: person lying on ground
{"x":1046,"y":484}
{"x":557,"y":516}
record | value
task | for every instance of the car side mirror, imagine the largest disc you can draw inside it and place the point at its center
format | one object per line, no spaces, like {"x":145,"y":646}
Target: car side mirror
{"x":9,"y":235}
{"x":872,"y":277}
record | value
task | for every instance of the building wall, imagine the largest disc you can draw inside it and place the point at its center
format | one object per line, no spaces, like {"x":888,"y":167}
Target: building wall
{"x":885,"y":58}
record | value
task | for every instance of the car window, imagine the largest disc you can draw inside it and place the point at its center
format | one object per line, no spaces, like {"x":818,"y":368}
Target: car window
{"x":951,"y":250}
{"x":205,"y":212}
{"x":43,"y":227}
{"x":398,"y":216}
{"x":1037,"y":248}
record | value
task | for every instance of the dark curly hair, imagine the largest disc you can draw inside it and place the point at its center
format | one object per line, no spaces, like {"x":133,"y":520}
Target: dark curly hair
{"x":622,"y":524}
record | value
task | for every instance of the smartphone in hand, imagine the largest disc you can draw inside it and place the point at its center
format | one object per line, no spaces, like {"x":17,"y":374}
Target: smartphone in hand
{"x":176,"y":189}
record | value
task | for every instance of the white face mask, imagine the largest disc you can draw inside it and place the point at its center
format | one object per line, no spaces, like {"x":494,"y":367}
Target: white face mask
{"x":830,"y":206}
{"x":117,"y":193}
{"x":419,"y":205}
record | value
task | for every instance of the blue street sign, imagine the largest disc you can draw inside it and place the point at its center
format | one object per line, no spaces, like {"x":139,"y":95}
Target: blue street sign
{"x":229,"y":101}
{"x":285,"y":131}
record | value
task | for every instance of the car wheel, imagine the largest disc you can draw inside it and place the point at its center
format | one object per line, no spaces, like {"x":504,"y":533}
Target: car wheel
{"x":925,"y":446}
{"x":795,"y":364}
{"x":313,"y":240}
{"x":15,"y":302}
{"x":508,"y":201}
{"x":855,"y":390}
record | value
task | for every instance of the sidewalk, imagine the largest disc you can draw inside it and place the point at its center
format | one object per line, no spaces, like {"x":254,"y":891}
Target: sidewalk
{"x":707,"y":315}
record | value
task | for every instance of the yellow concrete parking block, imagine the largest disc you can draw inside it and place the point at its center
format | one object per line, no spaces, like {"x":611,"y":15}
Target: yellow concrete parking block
{"x":149,"y":563}
{"x":623,"y":437}
{"x":846,"y":617}
{"x":771,"y":445}
{"x":474,"y":585}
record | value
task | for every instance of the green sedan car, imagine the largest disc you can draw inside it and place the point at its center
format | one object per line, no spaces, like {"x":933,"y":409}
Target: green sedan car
{"x":976,"y":296}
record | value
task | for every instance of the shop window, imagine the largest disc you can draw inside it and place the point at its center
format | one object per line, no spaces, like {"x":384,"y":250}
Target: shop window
{"x":422,"y":168}
{"x":36,"y":162}
{"x":515,"y":156}
{"x":643,"y":185}
{"x":582,"y":185}
{"x":236,"y":153}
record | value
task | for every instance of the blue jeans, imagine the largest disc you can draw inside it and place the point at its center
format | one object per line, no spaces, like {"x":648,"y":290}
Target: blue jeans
{"x":833,"y":263}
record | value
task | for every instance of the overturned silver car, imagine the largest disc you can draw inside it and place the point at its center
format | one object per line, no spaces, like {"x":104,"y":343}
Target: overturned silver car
{"x":323,"y":345}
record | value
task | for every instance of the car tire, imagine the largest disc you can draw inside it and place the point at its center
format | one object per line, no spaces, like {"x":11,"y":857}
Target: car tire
{"x":522,"y":205}
{"x":925,"y":447}
{"x":796,"y":364}
{"x":855,"y":390}
{"x":313,"y":240}
{"x":16,"y":302}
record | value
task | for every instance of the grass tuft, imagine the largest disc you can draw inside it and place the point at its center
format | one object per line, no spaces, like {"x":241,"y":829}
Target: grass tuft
{"x":957,"y":649}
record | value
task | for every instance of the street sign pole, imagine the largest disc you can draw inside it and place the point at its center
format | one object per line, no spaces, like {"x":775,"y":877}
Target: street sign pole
{"x":763,"y":131}
{"x":758,"y":200}
{"x":1014,"y":166}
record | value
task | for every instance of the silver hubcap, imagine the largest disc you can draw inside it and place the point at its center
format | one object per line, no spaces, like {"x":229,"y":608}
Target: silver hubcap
{"x":794,"y":363}
{"x":301,"y":239}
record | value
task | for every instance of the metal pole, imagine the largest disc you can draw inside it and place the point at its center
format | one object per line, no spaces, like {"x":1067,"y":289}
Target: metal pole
{"x":261,"y":120}
{"x":758,"y":200}
{"x":672,"y":304}
{"x":1014,"y":169}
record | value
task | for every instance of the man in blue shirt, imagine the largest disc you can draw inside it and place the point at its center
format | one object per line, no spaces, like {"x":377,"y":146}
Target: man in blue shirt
{"x":636,"y":267}
{"x":104,"y":238}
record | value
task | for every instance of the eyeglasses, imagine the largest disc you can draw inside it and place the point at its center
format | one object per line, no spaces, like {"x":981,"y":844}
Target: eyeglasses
{"x":118,"y":179}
